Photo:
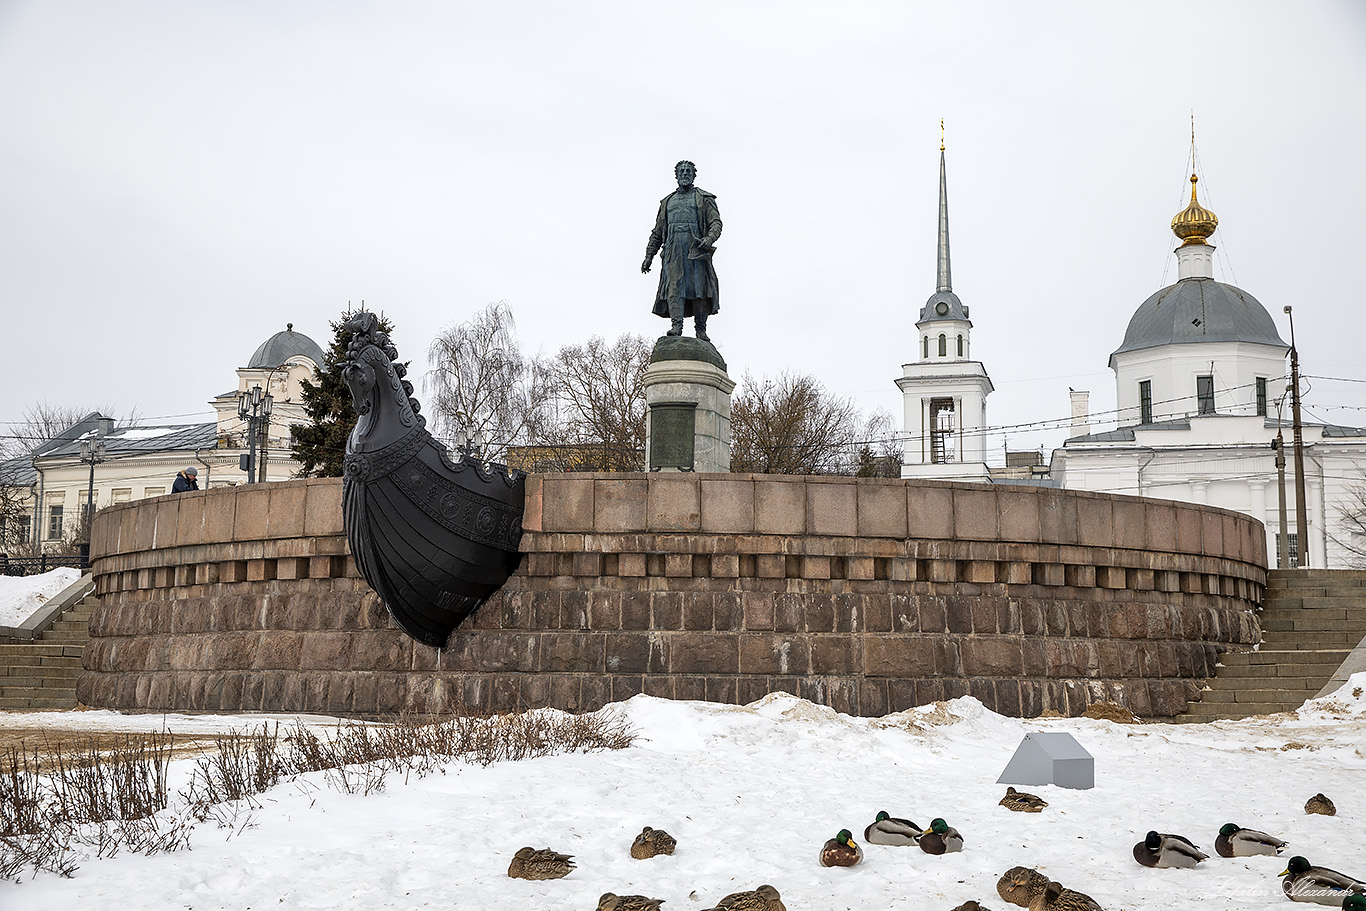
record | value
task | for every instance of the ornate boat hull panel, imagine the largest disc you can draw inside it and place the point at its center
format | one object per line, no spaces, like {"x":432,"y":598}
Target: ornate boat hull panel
{"x":434,"y":536}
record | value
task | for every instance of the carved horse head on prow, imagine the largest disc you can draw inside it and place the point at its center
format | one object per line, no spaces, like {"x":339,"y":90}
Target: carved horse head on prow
{"x":386,"y":411}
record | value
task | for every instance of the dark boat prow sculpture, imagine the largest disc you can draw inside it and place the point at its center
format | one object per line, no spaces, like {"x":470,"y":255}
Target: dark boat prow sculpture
{"x":435,"y":535}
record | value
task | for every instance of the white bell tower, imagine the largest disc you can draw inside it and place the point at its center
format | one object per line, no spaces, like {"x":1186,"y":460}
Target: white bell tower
{"x":944,"y":390}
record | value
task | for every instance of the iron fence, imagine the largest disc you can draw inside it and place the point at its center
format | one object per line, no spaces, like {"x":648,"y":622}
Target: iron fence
{"x":32,"y":566}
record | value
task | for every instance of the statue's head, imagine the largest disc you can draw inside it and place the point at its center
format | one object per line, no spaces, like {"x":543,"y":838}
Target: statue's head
{"x":685,"y":171}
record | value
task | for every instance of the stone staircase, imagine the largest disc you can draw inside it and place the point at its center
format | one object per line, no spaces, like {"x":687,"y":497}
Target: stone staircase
{"x":1311,"y":620}
{"x":41,"y":673}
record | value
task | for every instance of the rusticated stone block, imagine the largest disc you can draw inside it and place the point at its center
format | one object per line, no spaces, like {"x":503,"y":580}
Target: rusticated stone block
{"x":704,"y":653}
{"x":285,"y":515}
{"x":604,"y":610}
{"x":587,"y":564}
{"x":574,"y":609}
{"x":835,"y":655}
{"x":991,"y":656}
{"x":722,"y":690}
{"x":692,"y":688}
{"x":678,"y":565}
{"x":637,"y":653}
{"x":566,"y":503}
{"x":697,"y":611}
{"x":774,"y":654}
{"x":619,"y":505}
{"x":780,"y":506}
{"x":1111,"y":577}
{"x":831,"y":507}
{"x":666,"y":610}
{"x":789,"y":612}
{"x":881,"y":509}
{"x":1081,"y":576}
{"x":975,"y":515}
{"x":673,"y":504}
{"x":725,"y":566}
{"x":631,"y":565}
{"x":899,"y":656}
{"x":635,"y":610}
{"x":819,"y":613}
{"x":758,"y":610}
{"x":727,"y":505}
{"x":929,"y":511}
{"x":583,"y":653}
{"x":815,"y":567}
{"x":770,"y":566}
{"x":727,"y":611}
{"x":1212,"y":533}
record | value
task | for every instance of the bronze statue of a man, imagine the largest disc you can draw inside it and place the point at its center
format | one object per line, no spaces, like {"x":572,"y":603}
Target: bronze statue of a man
{"x":686,"y":227}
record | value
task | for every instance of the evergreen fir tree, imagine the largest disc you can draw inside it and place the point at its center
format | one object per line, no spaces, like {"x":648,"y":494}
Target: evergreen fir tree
{"x":320,"y":445}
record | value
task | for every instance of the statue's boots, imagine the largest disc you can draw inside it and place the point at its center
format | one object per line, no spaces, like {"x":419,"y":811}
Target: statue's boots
{"x":676,"y":328}
{"x":699,"y":320}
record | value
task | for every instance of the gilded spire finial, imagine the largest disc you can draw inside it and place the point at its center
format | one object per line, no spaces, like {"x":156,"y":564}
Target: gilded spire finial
{"x":941,"y":134}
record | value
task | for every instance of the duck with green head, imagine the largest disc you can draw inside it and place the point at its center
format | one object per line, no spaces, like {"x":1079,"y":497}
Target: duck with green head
{"x":1354,"y":902}
{"x":1305,"y":882}
{"x":891,"y":830}
{"x":1235,"y":841}
{"x":940,"y":838}
{"x":1158,"y":850}
{"x":841,"y":851}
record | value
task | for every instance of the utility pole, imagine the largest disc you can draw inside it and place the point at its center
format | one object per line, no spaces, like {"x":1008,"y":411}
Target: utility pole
{"x":1283,"y":540}
{"x":1301,"y":506}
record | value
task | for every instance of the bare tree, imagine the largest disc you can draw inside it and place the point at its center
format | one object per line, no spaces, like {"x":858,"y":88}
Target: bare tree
{"x":42,"y":422}
{"x":1352,"y":512}
{"x":598,"y":423}
{"x":793,"y":425}
{"x":480,"y":383}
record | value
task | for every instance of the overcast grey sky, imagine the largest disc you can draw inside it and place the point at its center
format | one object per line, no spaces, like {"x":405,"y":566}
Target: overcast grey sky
{"x":178,"y":180}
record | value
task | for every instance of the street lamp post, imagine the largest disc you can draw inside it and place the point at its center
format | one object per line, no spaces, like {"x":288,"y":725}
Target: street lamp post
{"x":1301,"y":507}
{"x":254,"y":408}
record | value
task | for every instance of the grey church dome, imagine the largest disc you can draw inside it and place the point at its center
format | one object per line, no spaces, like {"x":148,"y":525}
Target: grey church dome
{"x":943,"y":305}
{"x":1199,"y":310}
{"x":282,"y":346}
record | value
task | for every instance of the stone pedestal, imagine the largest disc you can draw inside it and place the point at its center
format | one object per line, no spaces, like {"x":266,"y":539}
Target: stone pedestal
{"x":687,"y":398}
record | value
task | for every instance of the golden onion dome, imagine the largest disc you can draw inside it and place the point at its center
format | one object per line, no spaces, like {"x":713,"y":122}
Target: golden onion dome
{"x":1194,"y":223}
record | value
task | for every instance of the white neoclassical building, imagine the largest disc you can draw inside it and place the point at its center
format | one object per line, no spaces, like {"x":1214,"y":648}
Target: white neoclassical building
{"x":944,"y":392}
{"x":142,"y":461}
{"x":1200,"y":380}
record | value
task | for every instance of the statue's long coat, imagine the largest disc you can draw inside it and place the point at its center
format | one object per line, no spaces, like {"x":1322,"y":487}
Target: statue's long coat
{"x":708,"y":229}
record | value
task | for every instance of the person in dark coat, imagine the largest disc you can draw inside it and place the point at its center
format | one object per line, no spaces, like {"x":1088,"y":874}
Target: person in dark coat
{"x":686,"y":229}
{"x":186,"y":480}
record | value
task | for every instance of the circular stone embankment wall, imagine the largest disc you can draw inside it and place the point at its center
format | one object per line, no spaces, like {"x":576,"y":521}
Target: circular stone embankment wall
{"x":867,"y":595}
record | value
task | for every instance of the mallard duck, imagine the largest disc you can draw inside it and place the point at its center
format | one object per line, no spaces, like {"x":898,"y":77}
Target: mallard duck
{"x":651,"y":842}
{"x":529,"y":863}
{"x":1029,"y":888}
{"x":1354,"y":902}
{"x":1158,"y":850}
{"x":891,"y":830}
{"x":841,"y":851}
{"x":1306,"y":883}
{"x":1235,"y":841}
{"x":764,"y":898}
{"x":972,"y":905}
{"x":612,"y":902}
{"x":1320,"y":805}
{"x":1021,"y":802}
{"x":940,"y":838}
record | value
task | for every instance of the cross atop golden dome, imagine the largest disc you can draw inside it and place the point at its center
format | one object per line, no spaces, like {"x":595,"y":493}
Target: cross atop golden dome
{"x":1194,"y":223}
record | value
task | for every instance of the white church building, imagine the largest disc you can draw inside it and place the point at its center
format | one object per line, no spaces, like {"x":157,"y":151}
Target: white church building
{"x":1201,"y":381}
{"x":1201,"y":387}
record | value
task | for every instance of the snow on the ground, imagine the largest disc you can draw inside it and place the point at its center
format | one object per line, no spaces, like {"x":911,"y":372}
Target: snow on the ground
{"x":751,"y":793}
{"x":22,"y":596}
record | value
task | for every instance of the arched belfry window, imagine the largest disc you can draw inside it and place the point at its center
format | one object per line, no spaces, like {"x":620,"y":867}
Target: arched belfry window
{"x":927,"y":347}
{"x":960,"y":346}
{"x":943,"y":345}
